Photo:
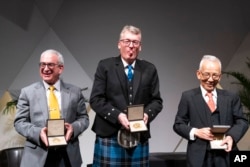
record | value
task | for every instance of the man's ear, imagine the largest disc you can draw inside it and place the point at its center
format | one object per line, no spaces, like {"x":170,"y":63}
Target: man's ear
{"x":118,"y":45}
{"x":198,"y":74}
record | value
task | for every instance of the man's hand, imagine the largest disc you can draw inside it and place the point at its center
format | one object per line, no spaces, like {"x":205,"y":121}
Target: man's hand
{"x":204,"y":133}
{"x":123,"y":120}
{"x":69,"y":131}
{"x":43,"y":136}
{"x":145,"y":118}
{"x":228,"y":140}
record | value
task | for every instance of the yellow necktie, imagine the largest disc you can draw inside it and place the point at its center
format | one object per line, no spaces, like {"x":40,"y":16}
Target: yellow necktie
{"x":210,"y":102}
{"x":53,"y":105}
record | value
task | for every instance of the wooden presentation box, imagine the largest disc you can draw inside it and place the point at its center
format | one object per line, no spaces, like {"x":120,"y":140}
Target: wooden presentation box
{"x":135,"y":117}
{"x":55,"y":132}
{"x":219,"y":134}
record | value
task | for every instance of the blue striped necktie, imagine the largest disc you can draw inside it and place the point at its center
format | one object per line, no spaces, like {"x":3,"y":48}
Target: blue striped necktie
{"x":130,"y":72}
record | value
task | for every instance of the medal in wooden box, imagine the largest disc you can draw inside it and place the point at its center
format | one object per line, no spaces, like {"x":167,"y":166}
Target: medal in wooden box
{"x":219,"y":134}
{"x":135,"y":117}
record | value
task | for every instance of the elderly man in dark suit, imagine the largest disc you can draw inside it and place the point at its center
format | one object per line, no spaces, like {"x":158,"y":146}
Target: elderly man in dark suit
{"x":195,"y":118}
{"x":33,"y":113}
{"x":113,"y":92}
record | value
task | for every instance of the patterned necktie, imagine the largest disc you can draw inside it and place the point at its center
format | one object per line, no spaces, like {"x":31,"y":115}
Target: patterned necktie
{"x":210,"y":102}
{"x":130,"y":72}
{"x":53,"y":104}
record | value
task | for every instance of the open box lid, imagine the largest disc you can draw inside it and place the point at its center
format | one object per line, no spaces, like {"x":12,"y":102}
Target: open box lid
{"x":220,"y":128}
{"x":135,"y":116}
{"x":55,"y":127}
{"x":135,"y":112}
{"x":55,"y":132}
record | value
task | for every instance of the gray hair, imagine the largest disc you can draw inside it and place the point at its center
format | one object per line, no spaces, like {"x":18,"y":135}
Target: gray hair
{"x":59,"y":55}
{"x":209,"y":58}
{"x":131,"y":29}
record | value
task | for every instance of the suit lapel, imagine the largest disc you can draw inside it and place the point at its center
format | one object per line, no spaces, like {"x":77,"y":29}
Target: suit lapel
{"x":42,"y":99}
{"x":222,"y":106}
{"x":65,"y":99}
{"x":119,"y":68}
{"x":137,"y":77}
{"x":201,"y":107}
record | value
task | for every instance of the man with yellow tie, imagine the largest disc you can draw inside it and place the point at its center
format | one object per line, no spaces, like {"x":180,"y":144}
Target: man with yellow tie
{"x":51,"y":99}
{"x":204,"y":107}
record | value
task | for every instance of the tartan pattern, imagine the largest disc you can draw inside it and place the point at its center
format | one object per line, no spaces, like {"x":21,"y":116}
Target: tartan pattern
{"x":108,"y":153}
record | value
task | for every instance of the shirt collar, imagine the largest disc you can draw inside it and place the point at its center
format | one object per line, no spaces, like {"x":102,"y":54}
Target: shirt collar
{"x":125,"y":64}
{"x":56,"y":85}
{"x":203,"y":91}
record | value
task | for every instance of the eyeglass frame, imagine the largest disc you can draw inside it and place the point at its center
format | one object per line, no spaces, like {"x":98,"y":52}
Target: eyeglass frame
{"x":207,"y":75}
{"x":127,"y":42}
{"x":49,"y":65}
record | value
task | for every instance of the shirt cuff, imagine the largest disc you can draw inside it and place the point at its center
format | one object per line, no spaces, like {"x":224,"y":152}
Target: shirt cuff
{"x":191,"y":134}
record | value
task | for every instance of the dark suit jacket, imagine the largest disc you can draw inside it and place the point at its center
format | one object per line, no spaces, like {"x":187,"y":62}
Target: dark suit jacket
{"x":109,"y":95}
{"x":192,"y":113}
{"x":32,"y":114}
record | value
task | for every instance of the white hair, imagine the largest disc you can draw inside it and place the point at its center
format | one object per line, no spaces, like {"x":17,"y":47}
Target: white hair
{"x":209,"y":58}
{"x":59,"y":55}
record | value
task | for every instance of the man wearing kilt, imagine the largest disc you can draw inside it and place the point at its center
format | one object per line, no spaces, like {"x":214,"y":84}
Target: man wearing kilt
{"x":116,"y":87}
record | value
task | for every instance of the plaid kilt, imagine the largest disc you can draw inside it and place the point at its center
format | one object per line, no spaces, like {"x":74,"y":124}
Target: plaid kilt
{"x":108,"y":153}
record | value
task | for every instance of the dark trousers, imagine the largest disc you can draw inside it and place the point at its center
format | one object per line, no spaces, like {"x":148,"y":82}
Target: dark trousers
{"x":57,"y":157}
{"x":216,"y":158}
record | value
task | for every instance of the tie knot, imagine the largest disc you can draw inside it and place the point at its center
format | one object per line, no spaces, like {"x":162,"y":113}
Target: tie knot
{"x":52,"y":88}
{"x":130,"y":67}
{"x":209,"y":94}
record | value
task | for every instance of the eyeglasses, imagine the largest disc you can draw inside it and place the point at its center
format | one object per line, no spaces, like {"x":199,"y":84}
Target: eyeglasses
{"x":49,"y":65}
{"x":127,"y":42}
{"x":208,"y":75}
